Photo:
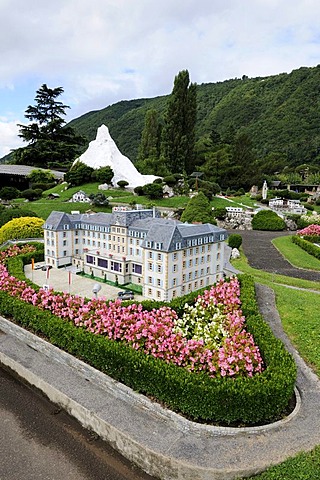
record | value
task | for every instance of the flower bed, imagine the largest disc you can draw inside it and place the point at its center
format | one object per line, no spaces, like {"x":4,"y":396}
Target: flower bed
{"x":308,"y":239}
{"x":209,"y":337}
{"x":222,"y":394}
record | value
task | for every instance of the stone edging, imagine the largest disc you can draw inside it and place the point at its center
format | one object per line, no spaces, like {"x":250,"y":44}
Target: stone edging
{"x":126,"y":393}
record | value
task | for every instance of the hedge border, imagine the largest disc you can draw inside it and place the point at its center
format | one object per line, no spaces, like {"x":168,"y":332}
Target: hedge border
{"x":225,"y":401}
{"x":307,"y":246}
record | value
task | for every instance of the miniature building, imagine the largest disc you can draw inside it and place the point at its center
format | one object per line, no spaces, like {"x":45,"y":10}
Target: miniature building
{"x":80,"y":196}
{"x":234,"y":212}
{"x":287,"y":205}
{"x":166,"y":257}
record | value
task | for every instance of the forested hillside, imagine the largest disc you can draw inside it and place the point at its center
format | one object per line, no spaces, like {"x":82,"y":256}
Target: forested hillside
{"x":280,"y":113}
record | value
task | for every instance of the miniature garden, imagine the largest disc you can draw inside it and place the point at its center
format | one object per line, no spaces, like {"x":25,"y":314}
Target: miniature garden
{"x":209,"y":355}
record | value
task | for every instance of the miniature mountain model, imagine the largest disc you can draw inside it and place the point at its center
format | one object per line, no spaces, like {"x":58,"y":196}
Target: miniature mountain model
{"x":103,"y":152}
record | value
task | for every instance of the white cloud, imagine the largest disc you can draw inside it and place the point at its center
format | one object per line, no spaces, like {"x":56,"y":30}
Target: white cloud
{"x":9,"y":136}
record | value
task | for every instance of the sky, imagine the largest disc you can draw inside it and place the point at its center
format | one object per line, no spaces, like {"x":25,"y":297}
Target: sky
{"x":104,"y":51}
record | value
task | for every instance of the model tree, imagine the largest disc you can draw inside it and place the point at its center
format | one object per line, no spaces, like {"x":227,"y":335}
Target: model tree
{"x":178,"y":139}
{"x":52,"y":144}
{"x":198,"y":210}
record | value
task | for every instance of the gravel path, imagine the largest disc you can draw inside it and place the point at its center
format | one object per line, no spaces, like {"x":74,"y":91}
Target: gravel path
{"x":261,"y":254}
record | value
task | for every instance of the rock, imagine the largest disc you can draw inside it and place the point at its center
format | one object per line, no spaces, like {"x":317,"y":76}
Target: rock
{"x":235,"y":253}
{"x":103,"y":152}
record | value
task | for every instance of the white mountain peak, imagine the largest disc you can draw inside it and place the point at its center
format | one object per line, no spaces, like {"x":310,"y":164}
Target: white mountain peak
{"x":103,"y":152}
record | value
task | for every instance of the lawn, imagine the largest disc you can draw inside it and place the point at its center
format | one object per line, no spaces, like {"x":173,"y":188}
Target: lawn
{"x":295,"y":255}
{"x":299,"y":312}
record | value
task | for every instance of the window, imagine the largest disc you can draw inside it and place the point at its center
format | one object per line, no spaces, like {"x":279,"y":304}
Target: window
{"x":64,"y":234}
{"x":149,"y":291}
{"x":175,"y":267}
{"x":159,"y":256}
{"x":158,"y":294}
{"x":174,"y":256}
{"x":178,"y":245}
{"x":89,"y":259}
{"x":137,"y":268}
{"x":115,"y":266}
{"x":190,"y":276}
{"x":174,"y":282}
{"x":159,"y":282}
{"x":150,"y":280}
{"x":64,"y":243}
{"x":174,"y":293}
{"x":184,"y":264}
{"x":150,"y":266}
{"x":150,"y":255}
{"x":102,"y":263}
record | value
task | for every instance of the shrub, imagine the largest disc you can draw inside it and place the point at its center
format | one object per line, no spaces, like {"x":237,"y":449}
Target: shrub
{"x":122,"y":183}
{"x":31,"y":194}
{"x":308,"y":206}
{"x":267,"y":220}
{"x":23,"y":227}
{"x":235,"y":240}
{"x":10,"y":213}
{"x":138,"y":190}
{"x":9,"y":193}
{"x":307,"y":246}
{"x":220,"y":213}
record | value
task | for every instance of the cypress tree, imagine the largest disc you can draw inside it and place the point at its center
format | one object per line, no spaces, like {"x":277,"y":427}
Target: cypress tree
{"x":179,"y":131}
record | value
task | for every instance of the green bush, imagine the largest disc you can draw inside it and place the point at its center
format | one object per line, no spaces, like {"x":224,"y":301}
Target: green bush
{"x":308,"y":206}
{"x":307,"y":246}
{"x":222,"y":400}
{"x":267,"y":220}
{"x":235,"y":240}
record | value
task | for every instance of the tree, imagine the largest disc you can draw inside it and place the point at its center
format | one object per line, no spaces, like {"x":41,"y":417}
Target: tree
{"x":153,"y":190}
{"x":198,"y":210}
{"x":40,"y":176}
{"x":51,"y":143}
{"x":78,"y":174}
{"x":178,"y":140}
{"x":99,"y":200}
{"x":103,"y":174}
{"x":149,"y":149}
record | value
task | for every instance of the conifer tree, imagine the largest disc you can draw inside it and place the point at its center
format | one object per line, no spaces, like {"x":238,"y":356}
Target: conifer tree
{"x":51,"y":143}
{"x":149,"y":149}
{"x":179,"y":131}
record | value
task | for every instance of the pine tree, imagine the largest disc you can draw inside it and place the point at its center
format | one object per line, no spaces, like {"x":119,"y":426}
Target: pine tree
{"x":51,"y":143}
{"x":179,"y":130}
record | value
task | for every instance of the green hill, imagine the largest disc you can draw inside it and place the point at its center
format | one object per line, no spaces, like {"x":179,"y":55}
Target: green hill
{"x":280,"y":113}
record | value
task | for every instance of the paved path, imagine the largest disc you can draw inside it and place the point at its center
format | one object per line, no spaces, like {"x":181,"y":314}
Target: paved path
{"x":261,"y":254}
{"x":159,"y":441}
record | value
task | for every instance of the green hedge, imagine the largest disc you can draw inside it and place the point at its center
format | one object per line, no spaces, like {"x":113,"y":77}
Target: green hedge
{"x":307,"y":246}
{"x":267,"y":220}
{"x":225,"y":401}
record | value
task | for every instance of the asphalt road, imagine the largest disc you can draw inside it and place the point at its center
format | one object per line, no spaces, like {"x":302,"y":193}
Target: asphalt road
{"x":38,"y":441}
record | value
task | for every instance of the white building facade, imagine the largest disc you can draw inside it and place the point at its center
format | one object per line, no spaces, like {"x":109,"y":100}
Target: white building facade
{"x":167,"y":258}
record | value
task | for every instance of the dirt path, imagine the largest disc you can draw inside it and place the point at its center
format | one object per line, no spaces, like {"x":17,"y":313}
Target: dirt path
{"x":263,"y":255}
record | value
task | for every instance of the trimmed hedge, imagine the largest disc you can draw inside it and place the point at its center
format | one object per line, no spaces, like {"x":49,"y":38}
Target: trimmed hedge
{"x":225,"y":401}
{"x":307,"y":246}
{"x":267,"y":220}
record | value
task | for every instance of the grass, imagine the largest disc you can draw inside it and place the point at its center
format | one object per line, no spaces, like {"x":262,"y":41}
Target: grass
{"x":299,"y":313}
{"x":295,"y":255}
{"x":305,"y":466}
